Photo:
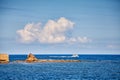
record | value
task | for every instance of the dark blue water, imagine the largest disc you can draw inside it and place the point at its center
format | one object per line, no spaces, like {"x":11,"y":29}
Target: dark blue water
{"x":91,"y":67}
{"x":68,"y":57}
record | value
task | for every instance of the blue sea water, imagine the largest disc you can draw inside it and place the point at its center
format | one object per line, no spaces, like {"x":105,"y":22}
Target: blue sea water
{"x":91,"y":67}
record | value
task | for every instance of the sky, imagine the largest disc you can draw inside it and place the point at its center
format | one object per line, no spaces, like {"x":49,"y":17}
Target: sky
{"x":60,"y":26}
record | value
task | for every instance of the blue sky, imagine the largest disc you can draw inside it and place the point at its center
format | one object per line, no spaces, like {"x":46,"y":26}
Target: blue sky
{"x":92,"y":26}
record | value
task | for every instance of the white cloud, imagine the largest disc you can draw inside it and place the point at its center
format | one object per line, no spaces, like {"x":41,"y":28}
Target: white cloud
{"x":52,"y":32}
{"x":79,"y":39}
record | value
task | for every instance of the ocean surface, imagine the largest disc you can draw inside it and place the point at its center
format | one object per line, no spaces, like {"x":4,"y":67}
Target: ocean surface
{"x":91,"y":67}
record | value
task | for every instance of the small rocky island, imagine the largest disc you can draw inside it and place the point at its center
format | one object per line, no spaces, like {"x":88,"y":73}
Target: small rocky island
{"x":32,"y":59}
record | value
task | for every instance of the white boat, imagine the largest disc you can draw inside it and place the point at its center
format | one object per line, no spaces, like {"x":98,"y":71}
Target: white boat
{"x":75,"y":55}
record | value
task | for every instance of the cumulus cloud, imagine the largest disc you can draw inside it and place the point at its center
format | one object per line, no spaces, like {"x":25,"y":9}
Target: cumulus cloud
{"x":51,"y":32}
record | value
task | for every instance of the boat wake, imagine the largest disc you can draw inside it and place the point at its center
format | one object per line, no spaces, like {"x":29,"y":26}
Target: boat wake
{"x":61,"y":56}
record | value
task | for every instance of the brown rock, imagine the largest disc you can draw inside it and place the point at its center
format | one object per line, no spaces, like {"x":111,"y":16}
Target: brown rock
{"x":31,"y":58}
{"x":4,"y":58}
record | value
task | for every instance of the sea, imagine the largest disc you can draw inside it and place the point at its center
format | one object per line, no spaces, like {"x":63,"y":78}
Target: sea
{"x":90,"y":67}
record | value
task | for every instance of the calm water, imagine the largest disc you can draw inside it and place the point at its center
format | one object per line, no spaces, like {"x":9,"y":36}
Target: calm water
{"x":91,"y":67}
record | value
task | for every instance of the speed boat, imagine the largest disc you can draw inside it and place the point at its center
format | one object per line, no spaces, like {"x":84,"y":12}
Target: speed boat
{"x":75,"y":55}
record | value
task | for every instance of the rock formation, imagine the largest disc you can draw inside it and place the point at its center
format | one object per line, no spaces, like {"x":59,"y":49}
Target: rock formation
{"x":4,"y":58}
{"x":31,"y":58}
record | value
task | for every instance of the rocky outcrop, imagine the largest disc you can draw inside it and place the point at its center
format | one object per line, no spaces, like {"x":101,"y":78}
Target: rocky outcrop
{"x":31,"y":58}
{"x":4,"y":58}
